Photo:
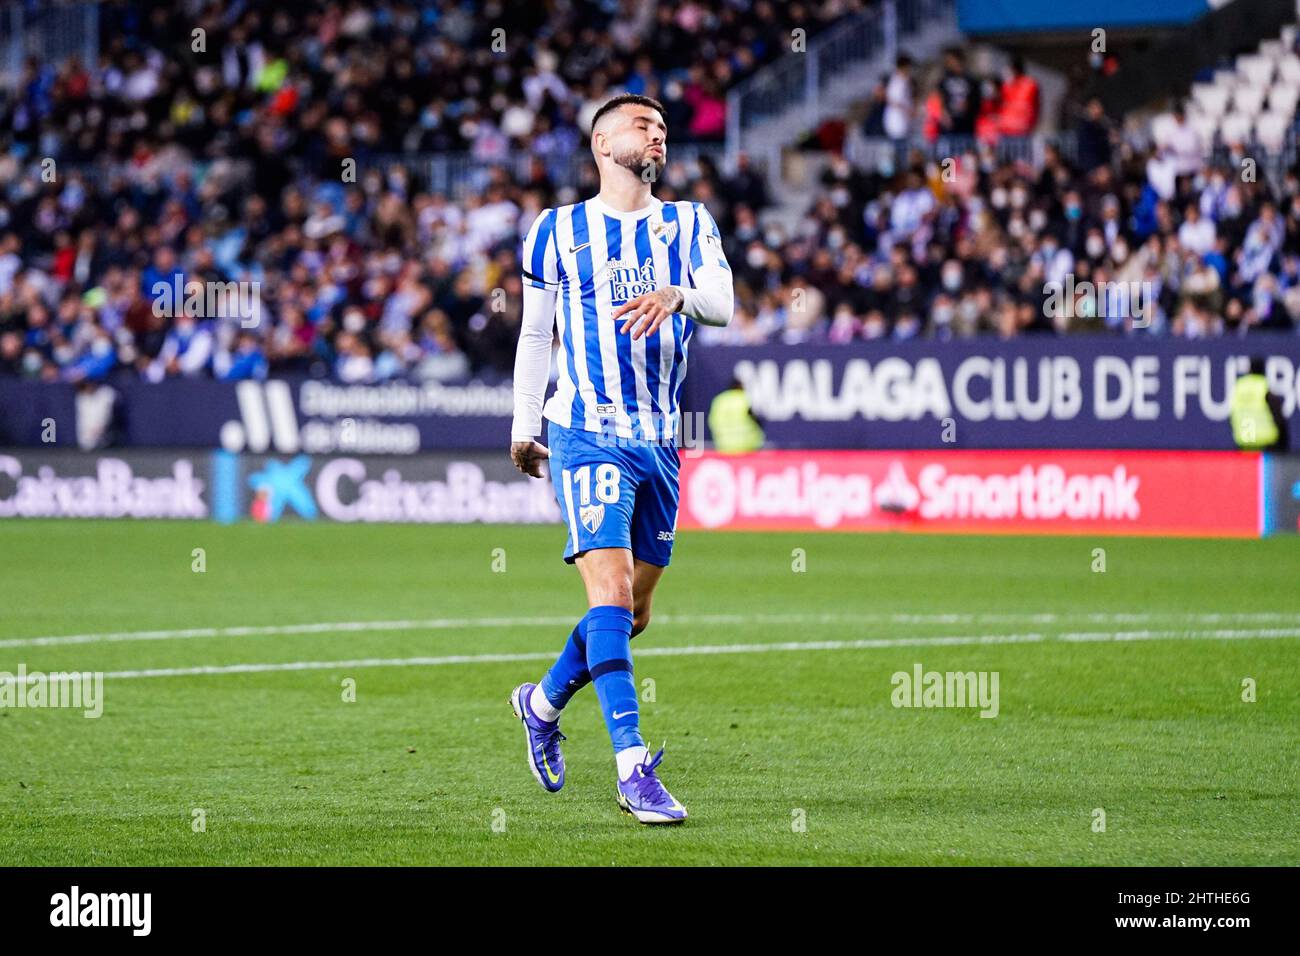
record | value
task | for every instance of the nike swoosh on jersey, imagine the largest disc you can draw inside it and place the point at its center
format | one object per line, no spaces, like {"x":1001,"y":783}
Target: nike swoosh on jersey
{"x":576,"y":249}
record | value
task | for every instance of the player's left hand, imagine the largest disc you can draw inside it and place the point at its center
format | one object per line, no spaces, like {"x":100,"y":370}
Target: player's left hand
{"x":647,"y":312}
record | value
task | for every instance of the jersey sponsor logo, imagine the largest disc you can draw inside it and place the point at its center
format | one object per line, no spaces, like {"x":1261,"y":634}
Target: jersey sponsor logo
{"x":627,"y":280}
{"x":667,"y":535}
{"x":591,"y":517}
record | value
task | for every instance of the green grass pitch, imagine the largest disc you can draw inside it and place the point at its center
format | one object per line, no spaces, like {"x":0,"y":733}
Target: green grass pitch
{"x":782,"y":756}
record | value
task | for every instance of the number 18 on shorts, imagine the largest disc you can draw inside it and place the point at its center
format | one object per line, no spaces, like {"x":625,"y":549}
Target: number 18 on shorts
{"x":615,"y":494}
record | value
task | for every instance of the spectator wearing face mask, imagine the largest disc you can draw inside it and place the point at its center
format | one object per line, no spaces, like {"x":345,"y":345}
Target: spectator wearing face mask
{"x":186,"y":351}
{"x":1196,"y":234}
{"x":1075,"y":228}
{"x":246,"y":361}
{"x":910,"y":208}
{"x":1259,"y":247}
{"x":1094,"y":245}
{"x":353,"y":271}
{"x":1057,"y":261}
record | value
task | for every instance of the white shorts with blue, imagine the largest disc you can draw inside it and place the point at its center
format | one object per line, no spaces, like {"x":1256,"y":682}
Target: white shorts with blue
{"x":615,"y":492}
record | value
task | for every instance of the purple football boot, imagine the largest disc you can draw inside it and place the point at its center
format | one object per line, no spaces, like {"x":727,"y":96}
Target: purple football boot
{"x":644,"y":797}
{"x":543,"y":740}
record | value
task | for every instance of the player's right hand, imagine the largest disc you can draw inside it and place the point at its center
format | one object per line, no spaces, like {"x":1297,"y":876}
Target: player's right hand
{"x":528,"y":457}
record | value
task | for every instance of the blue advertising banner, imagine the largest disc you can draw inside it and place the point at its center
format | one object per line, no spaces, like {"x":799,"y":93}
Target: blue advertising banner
{"x":281,"y":416}
{"x":1016,"y":16}
{"x":30,"y":413}
{"x":977,"y":393}
{"x":1024,"y":393}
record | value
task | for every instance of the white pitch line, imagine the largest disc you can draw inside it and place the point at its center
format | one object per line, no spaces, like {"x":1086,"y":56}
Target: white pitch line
{"x":466,"y":623}
{"x":702,"y":649}
{"x":1226,"y":634}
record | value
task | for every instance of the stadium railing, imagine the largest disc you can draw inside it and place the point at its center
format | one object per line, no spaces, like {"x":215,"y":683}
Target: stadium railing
{"x":457,"y":175}
{"x":49,"y":31}
{"x":878,"y":152}
{"x":871,"y":152}
{"x":805,"y":87}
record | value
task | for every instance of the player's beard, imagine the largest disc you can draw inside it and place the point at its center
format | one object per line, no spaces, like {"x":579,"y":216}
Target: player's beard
{"x":637,"y":162}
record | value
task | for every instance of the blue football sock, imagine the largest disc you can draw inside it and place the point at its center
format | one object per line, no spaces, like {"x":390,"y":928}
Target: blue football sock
{"x":609,"y":660}
{"x":569,"y":673}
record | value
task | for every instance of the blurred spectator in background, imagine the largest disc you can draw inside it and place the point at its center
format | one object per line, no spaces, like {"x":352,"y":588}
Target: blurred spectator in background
{"x":328,"y":154}
{"x":959,"y":96}
{"x":1018,"y":106}
{"x":899,"y":94}
{"x":1094,"y":134}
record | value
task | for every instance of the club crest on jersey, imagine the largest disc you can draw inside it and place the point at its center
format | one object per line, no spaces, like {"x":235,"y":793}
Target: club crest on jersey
{"x":664,"y":231}
{"x":628,"y":280}
{"x":591,"y":516}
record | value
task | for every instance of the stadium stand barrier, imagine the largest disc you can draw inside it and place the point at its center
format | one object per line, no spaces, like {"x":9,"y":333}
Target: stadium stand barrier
{"x":54,"y":31}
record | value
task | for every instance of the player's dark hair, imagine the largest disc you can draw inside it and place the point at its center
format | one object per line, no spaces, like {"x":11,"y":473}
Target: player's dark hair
{"x":622,"y":100}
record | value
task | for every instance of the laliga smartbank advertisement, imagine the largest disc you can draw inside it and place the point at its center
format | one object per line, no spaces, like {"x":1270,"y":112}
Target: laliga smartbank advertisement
{"x":1116,"y":492}
{"x":1121,"y":492}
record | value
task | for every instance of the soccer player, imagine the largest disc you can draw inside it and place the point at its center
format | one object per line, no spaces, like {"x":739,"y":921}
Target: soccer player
{"x":624,"y":276}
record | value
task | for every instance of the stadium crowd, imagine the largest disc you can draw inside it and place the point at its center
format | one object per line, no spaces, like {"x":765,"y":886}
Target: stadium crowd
{"x":172,"y":162}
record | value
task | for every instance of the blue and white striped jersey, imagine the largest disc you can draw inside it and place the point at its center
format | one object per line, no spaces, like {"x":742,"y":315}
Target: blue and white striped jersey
{"x":596,"y":258}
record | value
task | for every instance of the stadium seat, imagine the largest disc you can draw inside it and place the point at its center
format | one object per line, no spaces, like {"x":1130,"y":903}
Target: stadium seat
{"x":1248,"y":100}
{"x":1229,"y":79}
{"x":1270,"y":130}
{"x":1282,"y":98}
{"x":1272,"y":49}
{"x":1162,"y":125}
{"x":1206,"y":126}
{"x":1256,"y":70}
{"x":1235,"y":128}
{"x":1288,"y":69}
{"x":1211,"y":98}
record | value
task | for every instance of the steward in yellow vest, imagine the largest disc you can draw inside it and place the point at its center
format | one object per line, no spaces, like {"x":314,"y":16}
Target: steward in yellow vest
{"x":732,"y":423}
{"x":1255,"y":414}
